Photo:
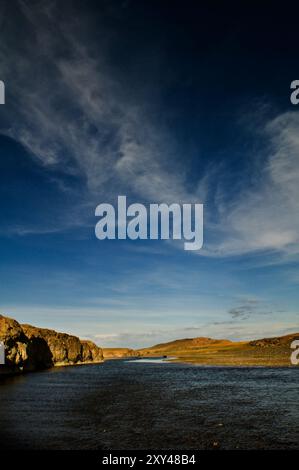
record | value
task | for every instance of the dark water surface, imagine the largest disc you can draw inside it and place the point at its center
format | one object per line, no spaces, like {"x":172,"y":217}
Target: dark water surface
{"x":130,"y":405}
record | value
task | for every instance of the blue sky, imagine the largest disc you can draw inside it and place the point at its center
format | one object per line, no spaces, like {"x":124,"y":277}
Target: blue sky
{"x":163,"y":105}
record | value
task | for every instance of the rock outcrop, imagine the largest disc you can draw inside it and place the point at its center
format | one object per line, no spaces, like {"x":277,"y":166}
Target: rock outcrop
{"x":16,"y":345}
{"x":64,"y":348}
{"x":91,"y":352}
{"x":28,"y":348}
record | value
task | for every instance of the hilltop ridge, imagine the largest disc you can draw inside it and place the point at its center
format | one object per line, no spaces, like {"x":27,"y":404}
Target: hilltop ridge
{"x":275,"y":351}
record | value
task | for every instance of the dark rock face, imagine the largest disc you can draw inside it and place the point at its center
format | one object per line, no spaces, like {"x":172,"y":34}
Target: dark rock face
{"x":29,"y":348}
{"x":64,"y":348}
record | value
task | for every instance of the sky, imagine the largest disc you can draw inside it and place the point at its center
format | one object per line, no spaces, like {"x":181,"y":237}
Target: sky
{"x":161,"y":102}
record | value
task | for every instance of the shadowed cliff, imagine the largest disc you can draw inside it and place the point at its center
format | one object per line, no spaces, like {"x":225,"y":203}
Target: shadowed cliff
{"x":28,"y":348}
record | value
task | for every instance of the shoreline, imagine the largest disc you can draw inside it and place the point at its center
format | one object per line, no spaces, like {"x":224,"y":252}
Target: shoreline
{"x":178,"y":361}
{"x":227,"y":365}
{"x":28,"y":348}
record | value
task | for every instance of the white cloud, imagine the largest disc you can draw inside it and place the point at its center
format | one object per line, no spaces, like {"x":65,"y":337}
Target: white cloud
{"x":72,"y":111}
{"x":265,"y":216}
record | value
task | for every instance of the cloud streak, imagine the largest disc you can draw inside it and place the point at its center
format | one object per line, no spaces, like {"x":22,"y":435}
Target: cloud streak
{"x":265,"y":216}
{"x":74,"y":111}
{"x":82,"y":118}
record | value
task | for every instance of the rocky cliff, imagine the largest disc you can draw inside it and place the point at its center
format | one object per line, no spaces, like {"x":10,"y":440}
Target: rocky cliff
{"x":29,"y":348}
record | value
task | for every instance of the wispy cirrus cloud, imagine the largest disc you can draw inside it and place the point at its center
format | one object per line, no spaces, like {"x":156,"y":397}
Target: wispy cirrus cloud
{"x":265,"y":215}
{"x":72,"y":109}
{"x":80,"y":116}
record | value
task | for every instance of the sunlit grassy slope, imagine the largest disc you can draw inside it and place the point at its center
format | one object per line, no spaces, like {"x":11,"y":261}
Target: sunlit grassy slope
{"x":264,"y":352}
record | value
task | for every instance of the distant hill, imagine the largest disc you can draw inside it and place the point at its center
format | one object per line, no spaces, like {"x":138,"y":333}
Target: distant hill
{"x":264,"y":352}
{"x":189,"y":343}
{"x":117,"y":353}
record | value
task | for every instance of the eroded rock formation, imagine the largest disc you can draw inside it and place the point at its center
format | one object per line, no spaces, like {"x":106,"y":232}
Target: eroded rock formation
{"x":29,"y":348}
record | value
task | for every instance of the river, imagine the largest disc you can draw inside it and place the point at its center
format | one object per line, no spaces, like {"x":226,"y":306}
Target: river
{"x":124,"y":404}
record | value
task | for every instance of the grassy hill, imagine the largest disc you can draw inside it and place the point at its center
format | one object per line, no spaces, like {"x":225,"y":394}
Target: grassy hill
{"x":263,"y":352}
